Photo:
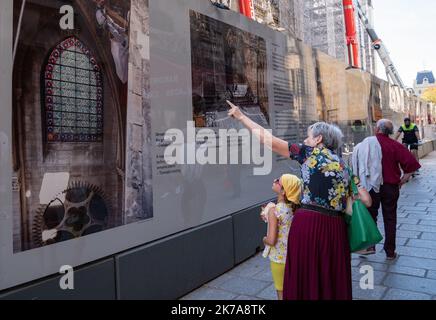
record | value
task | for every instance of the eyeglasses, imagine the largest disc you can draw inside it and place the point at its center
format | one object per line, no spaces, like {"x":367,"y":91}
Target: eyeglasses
{"x":277,"y":181}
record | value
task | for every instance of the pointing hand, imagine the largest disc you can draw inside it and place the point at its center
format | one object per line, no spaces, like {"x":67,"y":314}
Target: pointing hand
{"x":235,"y":112}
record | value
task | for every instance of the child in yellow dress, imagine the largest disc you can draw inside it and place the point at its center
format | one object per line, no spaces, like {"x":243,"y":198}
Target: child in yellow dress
{"x":279,"y":218}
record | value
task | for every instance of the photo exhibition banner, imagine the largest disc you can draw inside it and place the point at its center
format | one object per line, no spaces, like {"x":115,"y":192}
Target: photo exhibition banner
{"x":97,"y":85}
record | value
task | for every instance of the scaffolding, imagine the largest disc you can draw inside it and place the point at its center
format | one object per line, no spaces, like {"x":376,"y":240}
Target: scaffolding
{"x":367,"y":51}
{"x":324,"y":29}
{"x":282,"y":15}
{"x":319,"y":23}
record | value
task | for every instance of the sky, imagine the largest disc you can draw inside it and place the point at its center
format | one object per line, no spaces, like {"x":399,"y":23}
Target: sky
{"x":408,"y":29}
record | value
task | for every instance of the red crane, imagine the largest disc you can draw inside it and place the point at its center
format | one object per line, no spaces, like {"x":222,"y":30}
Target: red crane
{"x":246,"y":8}
{"x":351,"y":33}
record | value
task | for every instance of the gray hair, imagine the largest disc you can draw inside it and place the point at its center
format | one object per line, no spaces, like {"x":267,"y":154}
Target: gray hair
{"x":331,"y":135}
{"x":385,"y":126}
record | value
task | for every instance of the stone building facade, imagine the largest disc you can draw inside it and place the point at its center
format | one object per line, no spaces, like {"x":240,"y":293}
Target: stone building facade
{"x":424,"y":80}
{"x":284,"y":15}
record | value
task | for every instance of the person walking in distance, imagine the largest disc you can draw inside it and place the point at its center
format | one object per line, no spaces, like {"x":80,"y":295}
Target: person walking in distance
{"x":411,"y":136}
{"x":395,"y":158}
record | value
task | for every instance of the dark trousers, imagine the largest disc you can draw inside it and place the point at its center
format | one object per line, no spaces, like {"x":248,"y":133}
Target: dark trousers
{"x":388,"y":198}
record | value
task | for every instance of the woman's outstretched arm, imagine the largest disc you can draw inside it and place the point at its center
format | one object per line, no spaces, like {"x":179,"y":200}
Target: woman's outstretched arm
{"x":277,"y":145}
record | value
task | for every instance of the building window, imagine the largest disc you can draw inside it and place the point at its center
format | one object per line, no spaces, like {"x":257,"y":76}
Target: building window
{"x":73,"y":94}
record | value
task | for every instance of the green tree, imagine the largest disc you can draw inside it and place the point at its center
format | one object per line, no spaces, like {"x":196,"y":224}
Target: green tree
{"x":430,"y":95}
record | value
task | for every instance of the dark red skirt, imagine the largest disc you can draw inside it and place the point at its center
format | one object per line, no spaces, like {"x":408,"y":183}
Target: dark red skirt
{"x":318,"y":265}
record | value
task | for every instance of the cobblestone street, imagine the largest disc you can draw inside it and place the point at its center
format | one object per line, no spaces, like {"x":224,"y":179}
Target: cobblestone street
{"x":410,"y":277}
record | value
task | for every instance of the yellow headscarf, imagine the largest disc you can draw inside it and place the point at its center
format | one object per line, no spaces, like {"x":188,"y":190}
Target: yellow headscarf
{"x":292,"y":186}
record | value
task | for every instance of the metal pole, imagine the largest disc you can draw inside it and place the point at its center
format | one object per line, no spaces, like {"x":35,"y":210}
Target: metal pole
{"x":250,"y":8}
{"x":246,"y":7}
{"x":242,"y":7}
{"x":350,"y":28}
{"x":17,"y":37}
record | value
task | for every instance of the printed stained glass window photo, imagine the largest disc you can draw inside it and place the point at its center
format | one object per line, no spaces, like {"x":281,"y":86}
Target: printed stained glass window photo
{"x":73,"y":91}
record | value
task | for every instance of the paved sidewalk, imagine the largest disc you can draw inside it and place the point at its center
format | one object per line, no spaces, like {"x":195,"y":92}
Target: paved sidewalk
{"x":411,"y":277}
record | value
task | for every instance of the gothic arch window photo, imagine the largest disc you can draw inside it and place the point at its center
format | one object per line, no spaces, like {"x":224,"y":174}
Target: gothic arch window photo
{"x":73,"y":94}
{"x":71,"y":90}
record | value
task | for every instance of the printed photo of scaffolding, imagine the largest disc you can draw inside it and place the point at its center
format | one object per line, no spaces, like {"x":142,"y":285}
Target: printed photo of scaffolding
{"x":227,"y":64}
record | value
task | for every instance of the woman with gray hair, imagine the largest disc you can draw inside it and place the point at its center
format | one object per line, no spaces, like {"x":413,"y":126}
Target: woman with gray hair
{"x":318,"y":264}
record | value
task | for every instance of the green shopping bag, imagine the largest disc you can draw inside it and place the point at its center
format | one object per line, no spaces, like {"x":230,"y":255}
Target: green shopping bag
{"x":362,"y":230}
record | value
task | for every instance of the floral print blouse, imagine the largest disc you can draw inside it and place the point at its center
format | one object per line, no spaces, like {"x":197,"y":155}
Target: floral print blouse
{"x":326,"y":180}
{"x":284,"y":216}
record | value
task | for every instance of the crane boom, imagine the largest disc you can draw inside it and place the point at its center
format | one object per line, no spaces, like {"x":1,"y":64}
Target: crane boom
{"x":381,"y":49}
